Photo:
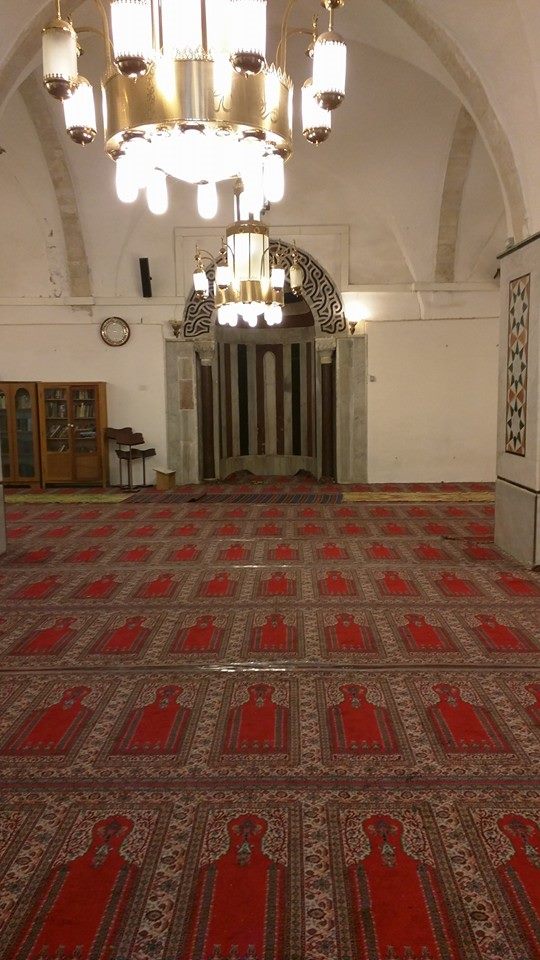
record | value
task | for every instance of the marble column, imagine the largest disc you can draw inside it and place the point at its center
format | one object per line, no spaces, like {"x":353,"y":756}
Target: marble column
{"x":326,"y":353}
{"x":517,"y":516}
{"x":351,"y":409}
{"x":206,"y":354}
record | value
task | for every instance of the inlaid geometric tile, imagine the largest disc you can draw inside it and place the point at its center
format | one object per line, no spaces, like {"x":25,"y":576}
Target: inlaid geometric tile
{"x":518,"y":344}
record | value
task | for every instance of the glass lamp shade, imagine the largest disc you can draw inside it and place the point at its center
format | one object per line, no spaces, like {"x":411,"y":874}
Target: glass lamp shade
{"x":80,"y":113}
{"x":296,"y":278}
{"x":182,"y":28}
{"x":250,"y":312}
{"x":127,"y":185}
{"x":60,"y":70}
{"x":200,"y":284}
{"x":223,"y":276}
{"x":218,"y":27}
{"x":248,"y":242}
{"x":277,"y":278}
{"x":316,"y":121}
{"x":248,"y":36}
{"x":228,"y":315}
{"x":329,"y":70}
{"x":251,"y":172}
{"x":132,"y":36}
{"x":274,"y":177}
{"x":207,"y":200}
{"x":157,"y":194}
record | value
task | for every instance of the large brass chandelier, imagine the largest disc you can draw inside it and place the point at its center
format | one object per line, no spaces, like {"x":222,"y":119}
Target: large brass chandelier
{"x":188,"y":93}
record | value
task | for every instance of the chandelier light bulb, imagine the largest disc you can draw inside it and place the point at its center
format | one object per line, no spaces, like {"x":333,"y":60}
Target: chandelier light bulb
{"x":274,"y":177}
{"x":138,"y":150}
{"x":157,"y":194}
{"x":218,"y":27}
{"x":248,"y":36}
{"x":127,"y":187}
{"x":273,"y":314}
{"x":316,"y":121}
{"x":200,"y":283}
{"x":181,"y":26}
{"x":296,"y":278}
{"x":132,"y":36}
{"x":60,"y":70}
{"x":250,"y":313}
{"x":329,"y":70}
{"x":80,"y":113}
{"x":207,"y":200}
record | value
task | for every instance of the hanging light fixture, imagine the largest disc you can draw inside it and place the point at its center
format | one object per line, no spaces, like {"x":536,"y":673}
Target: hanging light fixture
{"x":191,"y":80}
{"x":80,"y":113}
{"x":316,"y":121}
{"x":248,"y":284}
{"x":330,"y":63}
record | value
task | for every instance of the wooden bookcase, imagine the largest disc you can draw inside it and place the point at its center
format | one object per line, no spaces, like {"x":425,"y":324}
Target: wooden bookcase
{"x":73,"y":419}
{"x":19,"y":434}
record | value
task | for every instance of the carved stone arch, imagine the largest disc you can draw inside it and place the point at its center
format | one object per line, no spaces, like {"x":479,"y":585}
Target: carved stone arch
{"x":319,"y":291}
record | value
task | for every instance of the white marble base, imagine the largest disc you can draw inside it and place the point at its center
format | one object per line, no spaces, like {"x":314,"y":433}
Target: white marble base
{"x":517,"y":513}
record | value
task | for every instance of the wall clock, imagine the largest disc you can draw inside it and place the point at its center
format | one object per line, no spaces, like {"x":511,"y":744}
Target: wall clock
{"x":115,"y":332}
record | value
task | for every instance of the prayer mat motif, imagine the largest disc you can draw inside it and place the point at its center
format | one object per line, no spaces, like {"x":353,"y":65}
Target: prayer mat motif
{"x":449,"y":584}
{"x":162,"y":587}
{"x":335,"y":584}
{"x":278,"y":584}
{"x":274,"y":633}
{"x":516,"y":586}
{"x":381,"y":551}
{"x":497,"y":635}
{"x":458,"y":720}
{"x":393,"y":886}
{"x":356,"y":720}
{"x":54,"y":730}
{"x":221,"y":584}
{"x":420,"y":634}
{"x":235,"y":553}
{"x":38,"y":589}
{"x":391,"y":583}
{"x":258,"y":721}
{"x":80,"y":907}
{"x":49,"y":639}
{"x":282,"y":553}
{"x":507,"y":846}
{"x":333,"y":551}
{"x":242,"y":885}
{"x":160,"y":721}
{"x":187,"y":553}
{"x":204,"y":634}
{"x":102,"y":588}
{"x":123,"y":635}
{"x":347,"y":632}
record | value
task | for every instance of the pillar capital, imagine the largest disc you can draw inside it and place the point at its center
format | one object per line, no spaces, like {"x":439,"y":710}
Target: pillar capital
{"x":206,"y":351}
{"x":326,"y":348}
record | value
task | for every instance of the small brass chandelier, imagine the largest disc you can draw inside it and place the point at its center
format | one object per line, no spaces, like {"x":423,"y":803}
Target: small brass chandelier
{"x":188,"y":93}
{"x":248,"y":284}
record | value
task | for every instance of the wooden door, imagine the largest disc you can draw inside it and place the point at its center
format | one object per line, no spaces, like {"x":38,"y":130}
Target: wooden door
{"x":6,"y":437}
{"x":25,"y":433}
{"x":56,"y":432}
{"x":87,"y":432}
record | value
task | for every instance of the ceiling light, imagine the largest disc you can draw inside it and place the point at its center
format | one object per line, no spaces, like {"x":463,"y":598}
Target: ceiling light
{"x":190,"y":81}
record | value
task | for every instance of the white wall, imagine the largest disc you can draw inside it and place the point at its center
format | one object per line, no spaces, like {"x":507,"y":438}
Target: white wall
{"x":432,"y":406}
{"x":135,"y":373}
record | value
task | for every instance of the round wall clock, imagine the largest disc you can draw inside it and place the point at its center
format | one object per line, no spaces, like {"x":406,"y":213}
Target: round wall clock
{"x":115,"y":332}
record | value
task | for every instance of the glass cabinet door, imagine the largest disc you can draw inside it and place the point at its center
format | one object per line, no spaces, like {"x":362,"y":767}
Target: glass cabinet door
{"x":5,"y":452}
{"x":26,"y":465}
{"x":84,"y":403}
{"x":57,"y":427}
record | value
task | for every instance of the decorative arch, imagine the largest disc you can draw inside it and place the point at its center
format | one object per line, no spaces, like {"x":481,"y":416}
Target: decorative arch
{"x":319,"y":291}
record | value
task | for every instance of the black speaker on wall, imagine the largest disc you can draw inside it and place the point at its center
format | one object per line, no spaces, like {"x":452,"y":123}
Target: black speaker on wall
{"x":146,"y":279}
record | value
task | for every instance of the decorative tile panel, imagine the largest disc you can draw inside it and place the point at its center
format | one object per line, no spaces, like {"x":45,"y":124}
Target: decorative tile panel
{"x":518,"y":345}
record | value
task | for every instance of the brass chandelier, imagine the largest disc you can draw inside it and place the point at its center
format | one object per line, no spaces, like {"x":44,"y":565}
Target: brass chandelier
{"x":188,"y":93}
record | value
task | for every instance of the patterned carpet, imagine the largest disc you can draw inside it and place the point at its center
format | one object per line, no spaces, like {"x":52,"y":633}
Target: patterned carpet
{"x":263,"y":731}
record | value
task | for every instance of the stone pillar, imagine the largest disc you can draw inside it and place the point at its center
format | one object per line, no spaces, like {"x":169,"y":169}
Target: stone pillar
{"x":325,"y":351}
{"x":517,"y":516}
{"x":351,"y":409}
{"x":182,"y":414}
{"x":206,"y":395}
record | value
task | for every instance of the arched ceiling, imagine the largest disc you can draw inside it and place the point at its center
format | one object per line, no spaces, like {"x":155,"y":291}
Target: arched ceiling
{"x":389,"y":171}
